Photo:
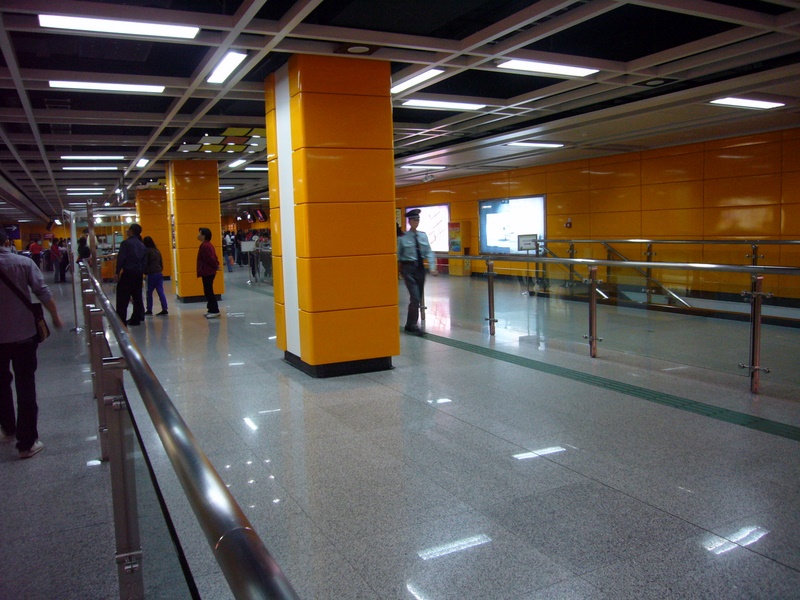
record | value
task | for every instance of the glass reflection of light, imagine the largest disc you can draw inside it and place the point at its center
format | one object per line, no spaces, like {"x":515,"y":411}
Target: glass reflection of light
{"x":542,"y":452}
{"x":457,"y":546}
{"x":93,"y":463}
{"x":264,"y":412}
{"x":744,"y":537}
{"x":440,"y":401}
{"x":249,"y":422}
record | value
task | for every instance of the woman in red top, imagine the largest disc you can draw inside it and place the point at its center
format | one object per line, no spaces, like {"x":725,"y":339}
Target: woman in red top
{"x":207,"y":266}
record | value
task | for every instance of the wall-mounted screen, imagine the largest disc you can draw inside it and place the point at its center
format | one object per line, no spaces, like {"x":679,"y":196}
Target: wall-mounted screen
{"x":502,"y":221}
{"x":433,"y":221}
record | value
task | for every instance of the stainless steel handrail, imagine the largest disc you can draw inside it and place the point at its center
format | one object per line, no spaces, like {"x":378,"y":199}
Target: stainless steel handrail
{"x":695,"y":242}
{"x":249,"y":568}
{"x":752,"y":269}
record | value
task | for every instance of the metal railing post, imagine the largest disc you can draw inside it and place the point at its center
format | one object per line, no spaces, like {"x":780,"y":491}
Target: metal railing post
{"x":755,"y":368}
{"x":98,"y":351}
{"x":123,"y":482}
{"x":592,"y":337}
{"x":490,"y":286}
{"x":648,"y":273}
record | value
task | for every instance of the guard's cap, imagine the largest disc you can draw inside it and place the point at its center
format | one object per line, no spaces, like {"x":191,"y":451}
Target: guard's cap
{"x":413,"y":214}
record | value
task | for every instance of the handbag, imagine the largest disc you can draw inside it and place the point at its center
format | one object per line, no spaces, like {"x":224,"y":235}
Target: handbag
{"x":42,"y":330}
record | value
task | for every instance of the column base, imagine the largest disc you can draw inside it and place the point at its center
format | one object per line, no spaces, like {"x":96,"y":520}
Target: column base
{"x":351,"y":367}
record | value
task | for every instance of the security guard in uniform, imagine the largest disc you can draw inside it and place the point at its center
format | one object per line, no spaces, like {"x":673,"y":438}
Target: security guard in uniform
{"x":413,"y":249}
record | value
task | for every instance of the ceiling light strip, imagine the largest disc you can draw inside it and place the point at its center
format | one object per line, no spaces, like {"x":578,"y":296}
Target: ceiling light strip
{"x":114,"y":26}
{"x":107,"y":87}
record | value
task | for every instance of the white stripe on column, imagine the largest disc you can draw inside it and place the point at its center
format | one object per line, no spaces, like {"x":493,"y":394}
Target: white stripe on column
{"x":286,"y":195}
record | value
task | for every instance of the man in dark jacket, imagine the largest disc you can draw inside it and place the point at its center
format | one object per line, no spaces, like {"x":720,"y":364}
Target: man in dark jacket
{"x":207,"y":265}
{"x":131,"y":261}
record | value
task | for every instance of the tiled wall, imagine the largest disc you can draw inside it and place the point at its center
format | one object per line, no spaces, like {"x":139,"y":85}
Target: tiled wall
{"x":745,"y":188}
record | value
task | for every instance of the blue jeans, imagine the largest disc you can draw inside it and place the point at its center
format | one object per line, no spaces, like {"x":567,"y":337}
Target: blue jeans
{"x":155,"y":282}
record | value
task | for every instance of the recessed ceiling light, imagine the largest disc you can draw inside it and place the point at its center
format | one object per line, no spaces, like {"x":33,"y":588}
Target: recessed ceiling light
{"x":746,"y":103}
{"x":417,"y":79}
{"x":226,"y":66}
{"x":256,"y":168}
{"x":226,"y":187}
{"x":92,"y":158}
{"x":536,"y":144}
{"x":546,"y":68}
{"x":90,"y":168}
{"x":142,"y":162}
{"x":107,"y":87}
{"x":440,"y":104}
{"x":237,"y":163}
{"x":114,"y":26}
{"x":86,"y":189}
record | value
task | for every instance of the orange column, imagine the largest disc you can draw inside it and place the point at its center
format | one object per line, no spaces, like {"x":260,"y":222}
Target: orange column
{"x":329,"y":141}
{"x":151,"y":206}
{"x":193,"y":199}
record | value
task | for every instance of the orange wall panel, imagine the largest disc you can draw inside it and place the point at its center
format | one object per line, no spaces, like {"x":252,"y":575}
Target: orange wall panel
{"x":616,"y":225}
{"x":527,"y":185}
{"x":568,"y":203}
{"x":342,"y":76}
{"x":580,"y":226}
{"x":685,"y":194}
{"x":326,"y":175}
{"x":280,"y":326}
{"x":746,"y":222}
{"x":791,"y":155}
{"x":790,"y":221}
{"x":668,"y":169}
{"x":672,"y":224}
{"x":570,"y":180}
{"x":277,"y":279}
{"x":493,"y":188}
{"x":276,"y":231}
{"x":333,"y":121}
{"x":345,"y":335}
{"x":790,"y":188}
{"x":615,"y":199}
{"x":319,"y":229}
{"x":371,"y":281}
{"x":743,"y":191}
{"x":745,"y":159}
{"x":619,"y":174}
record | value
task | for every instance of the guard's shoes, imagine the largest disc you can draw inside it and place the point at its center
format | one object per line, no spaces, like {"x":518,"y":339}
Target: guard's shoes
{"x":163,"y":313}
{"x":148,"y":312}
{"x":33,"y":451}
{"x":212,"y":315}
{"x":413,"y":329}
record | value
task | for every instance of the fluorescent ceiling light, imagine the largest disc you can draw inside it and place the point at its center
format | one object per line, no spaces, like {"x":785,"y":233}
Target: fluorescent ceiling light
{"x":550,"y":69}
{"x":439,"y":104}
{"x":536,"y":144}
{"x":226,"y":187}
{"x":423,"y":167}
{"x":237,"y":163}
{"x":90,"y":168}
{"x":142,"y":162}
{"x":226,"y":67}
{"x":108,"y":87}
{"x":400,"y":87}
{"x":256,"y":168}
{"x":113,"y":26}
{"x":87,"y":189}
{"x":92,"y":158}
{"x":85,"y":193}
{"x":745,"y":103}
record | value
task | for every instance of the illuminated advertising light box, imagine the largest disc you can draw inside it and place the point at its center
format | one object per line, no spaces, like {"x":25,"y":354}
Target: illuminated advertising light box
{"x":503,"y":221}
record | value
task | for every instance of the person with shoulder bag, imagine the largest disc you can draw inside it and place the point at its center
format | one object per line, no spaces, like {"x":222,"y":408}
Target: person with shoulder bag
{"x":20,"y":335}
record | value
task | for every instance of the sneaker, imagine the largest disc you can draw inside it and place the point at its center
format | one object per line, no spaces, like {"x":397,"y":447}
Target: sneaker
{"x":163,"y":313}
{"x":148,"y":312}
{"x":35,"y":449}
{"x":212,"y":315}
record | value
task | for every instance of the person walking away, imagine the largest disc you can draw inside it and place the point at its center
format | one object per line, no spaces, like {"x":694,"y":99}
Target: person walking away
{"x":36,"y":253}
{"x":154,"y":270}
{"x":207,"y":266}
{"x":84,"y":252}
{"x":18,"y":343}
{"x":131,"y":262}
{"x":64,"y":260}
{"x":55,"y":260}
{"x":413,"y":248}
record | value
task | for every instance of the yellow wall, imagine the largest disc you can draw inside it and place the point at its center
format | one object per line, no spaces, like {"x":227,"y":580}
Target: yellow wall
{"x":737,"y":188}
